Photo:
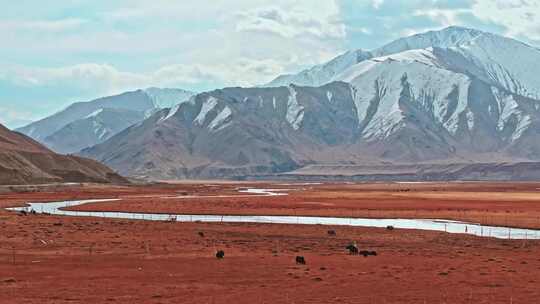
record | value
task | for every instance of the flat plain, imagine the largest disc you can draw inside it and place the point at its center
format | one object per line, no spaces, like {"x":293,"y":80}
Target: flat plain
{"x":55,"y":259}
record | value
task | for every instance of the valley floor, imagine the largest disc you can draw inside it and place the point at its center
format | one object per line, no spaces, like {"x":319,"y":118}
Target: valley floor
{"x":52,"y":259}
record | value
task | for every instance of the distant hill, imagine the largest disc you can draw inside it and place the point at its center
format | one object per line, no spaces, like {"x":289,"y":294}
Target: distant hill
{"x":25,"y":161}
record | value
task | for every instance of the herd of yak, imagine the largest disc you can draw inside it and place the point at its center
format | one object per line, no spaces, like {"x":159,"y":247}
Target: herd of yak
{"x":352,"y":248}
{"x":220,"y":254}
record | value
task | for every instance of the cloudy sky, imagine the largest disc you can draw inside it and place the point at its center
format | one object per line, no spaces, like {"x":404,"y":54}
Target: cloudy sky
{"x":52,"y":55}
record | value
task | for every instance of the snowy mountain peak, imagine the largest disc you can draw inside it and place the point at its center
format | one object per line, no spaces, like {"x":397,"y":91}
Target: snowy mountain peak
{"x":445,"y":38}
{"x":500,"y":61}
{"x":167,"y":97}
{"x":326,"y":72}
{"x":322,"y":74}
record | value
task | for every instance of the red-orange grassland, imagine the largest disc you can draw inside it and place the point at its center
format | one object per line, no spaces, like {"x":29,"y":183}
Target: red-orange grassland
{"x":52,"y":259}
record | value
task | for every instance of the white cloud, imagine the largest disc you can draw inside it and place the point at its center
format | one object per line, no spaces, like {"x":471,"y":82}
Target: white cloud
{"x":105,"y":79}
{"x":444,"y":17}
{"x":292,"y":23}
{"x":201,"y":38}
{"x":518,"y":17}
{"x":377,"y":3}
{"x":39,"y":26}
{"x":99,"y":77}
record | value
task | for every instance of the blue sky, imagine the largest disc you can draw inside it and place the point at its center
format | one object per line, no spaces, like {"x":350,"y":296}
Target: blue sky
{"x":65,"y":51}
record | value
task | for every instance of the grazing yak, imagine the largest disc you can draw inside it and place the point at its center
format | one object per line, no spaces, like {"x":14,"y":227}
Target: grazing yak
{"x":332,"y":232}
{"x":300,"y":260}
{"x":220,"y":254}
{"x":367,"y":253}
{"x":353,"y":249}
{"x":390,"y":228}
{"x":201,"y":234}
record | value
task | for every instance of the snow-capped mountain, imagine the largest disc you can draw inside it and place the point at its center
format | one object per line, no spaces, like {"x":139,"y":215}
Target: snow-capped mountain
{"x":322,"y":74}
{"x":85,"y":124}
{"x":498,"y":60}
{"x":472,"y":109}
{"x":326,"y":72}
{"x":167,"y":97}
{"x":478,"y":87}
{"x":235,"y":131}
{"x":93,"y":129}
{"x":449,"y":96}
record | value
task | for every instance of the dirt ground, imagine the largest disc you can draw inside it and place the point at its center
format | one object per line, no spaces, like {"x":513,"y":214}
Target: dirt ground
{"x":52,"y":259}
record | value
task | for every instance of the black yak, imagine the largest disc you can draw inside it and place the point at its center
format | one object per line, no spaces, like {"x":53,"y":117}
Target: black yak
{"x":367,"y":253}
{"x":220,"y":254}
{"x":300,"y":260}
{"x":353,"y":249}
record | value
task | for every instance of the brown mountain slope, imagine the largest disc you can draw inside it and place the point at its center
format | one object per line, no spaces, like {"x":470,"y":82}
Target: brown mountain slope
{"x":24,"y":161}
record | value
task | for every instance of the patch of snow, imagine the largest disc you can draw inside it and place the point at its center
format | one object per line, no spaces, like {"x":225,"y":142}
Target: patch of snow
{"x":446,"y":38}
{"x":171,"y":113}
{"x":94,"y":114}
{"x":329,"y":96}
{"x":221,"y":119}
{"x":206,"y":107}
{"x":149,"y":113}
{"x":424,"y":56}
{"x":295,"y":111}
{"x":522,"y":126}
{"x":383,"y":126}
{"x":322,"y":74}
{"x":508,"y":107}
{"x":470,"y":120}
{"x":166,"y":97}
{"x":361,"y":103}
{"x":355,"y":71}
{"x":99,"y":130}
{"x":102,"y":134}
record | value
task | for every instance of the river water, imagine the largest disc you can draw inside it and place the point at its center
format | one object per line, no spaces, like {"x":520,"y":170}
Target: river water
{"x":56,"y":208}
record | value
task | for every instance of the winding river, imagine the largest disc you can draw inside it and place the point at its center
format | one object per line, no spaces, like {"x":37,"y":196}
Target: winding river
{"x":58,"y":208}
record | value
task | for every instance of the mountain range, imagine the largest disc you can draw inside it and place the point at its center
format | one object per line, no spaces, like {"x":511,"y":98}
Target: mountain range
{"x":453,"y":96}
{"x":85,"y":124}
